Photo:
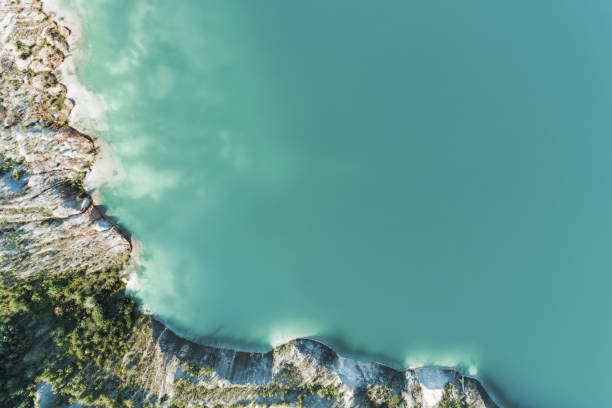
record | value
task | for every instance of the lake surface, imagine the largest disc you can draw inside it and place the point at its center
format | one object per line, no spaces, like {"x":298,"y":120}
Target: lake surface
{"x":415,"y":182}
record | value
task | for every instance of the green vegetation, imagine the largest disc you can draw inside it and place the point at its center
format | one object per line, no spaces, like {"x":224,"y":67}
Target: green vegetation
{"x":58,"y":101}
{"x":453,"y":403}
{"x":452,"y":399}
{"x":80,"y":324}
{"x":55,"y":35}
{"x":48,"y":77}
{"x":417,"y":393}
{"x":197,"y":371}
{"x":24,"y":50}
{"x":272,"y":393}
{"x":13,"y":238}
{"x":16,"y":385}
{"x":10,"y":166}
{"x":289,"y":376}
{"x":76,"y":187}
{"x":381,"y":396}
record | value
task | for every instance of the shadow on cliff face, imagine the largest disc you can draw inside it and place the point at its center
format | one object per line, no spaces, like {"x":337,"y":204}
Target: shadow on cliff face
{"x":336,"y":342}
{"x":500,"y":396}
{"x":345,"y":349}
{"x":101,"y":212}
{"x":238,"y":367}
{"x":214,"y":339}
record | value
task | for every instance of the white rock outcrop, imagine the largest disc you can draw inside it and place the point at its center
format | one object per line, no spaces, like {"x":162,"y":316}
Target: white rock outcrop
{"x":49,"y":225}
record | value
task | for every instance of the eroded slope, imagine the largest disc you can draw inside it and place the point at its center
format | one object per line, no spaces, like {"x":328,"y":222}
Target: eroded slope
{"x":65,"y":318}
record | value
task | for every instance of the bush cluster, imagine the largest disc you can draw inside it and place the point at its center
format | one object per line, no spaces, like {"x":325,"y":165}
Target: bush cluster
{"x":69,"y":328}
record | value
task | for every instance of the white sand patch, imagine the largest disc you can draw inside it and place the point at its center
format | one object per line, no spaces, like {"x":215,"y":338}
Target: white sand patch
{"x":347,"y":369}
{"x":7,"y":26}
{"x":68,"y":15}
{"x":355,"y":373}
{"x":432,"y":382}
{"x":88,"y":114}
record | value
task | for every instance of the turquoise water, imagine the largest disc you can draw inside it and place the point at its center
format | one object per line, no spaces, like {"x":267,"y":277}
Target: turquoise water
{"x":415,"y":182}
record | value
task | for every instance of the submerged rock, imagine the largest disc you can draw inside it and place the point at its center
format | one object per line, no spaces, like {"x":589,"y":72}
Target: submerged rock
{"x":53,"y":235}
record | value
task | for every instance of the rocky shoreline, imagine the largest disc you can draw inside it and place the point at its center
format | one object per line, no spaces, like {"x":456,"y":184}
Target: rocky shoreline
{"x":66,"y":320}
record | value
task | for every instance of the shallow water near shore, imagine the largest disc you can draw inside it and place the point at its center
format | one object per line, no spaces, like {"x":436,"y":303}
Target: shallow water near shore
{"x":415,"y":182}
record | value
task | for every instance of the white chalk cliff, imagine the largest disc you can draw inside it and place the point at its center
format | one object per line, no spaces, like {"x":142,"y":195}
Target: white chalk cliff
{"x":50,"y":226}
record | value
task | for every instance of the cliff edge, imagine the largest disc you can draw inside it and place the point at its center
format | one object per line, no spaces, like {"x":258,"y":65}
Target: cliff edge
{"x":69,"y":333}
